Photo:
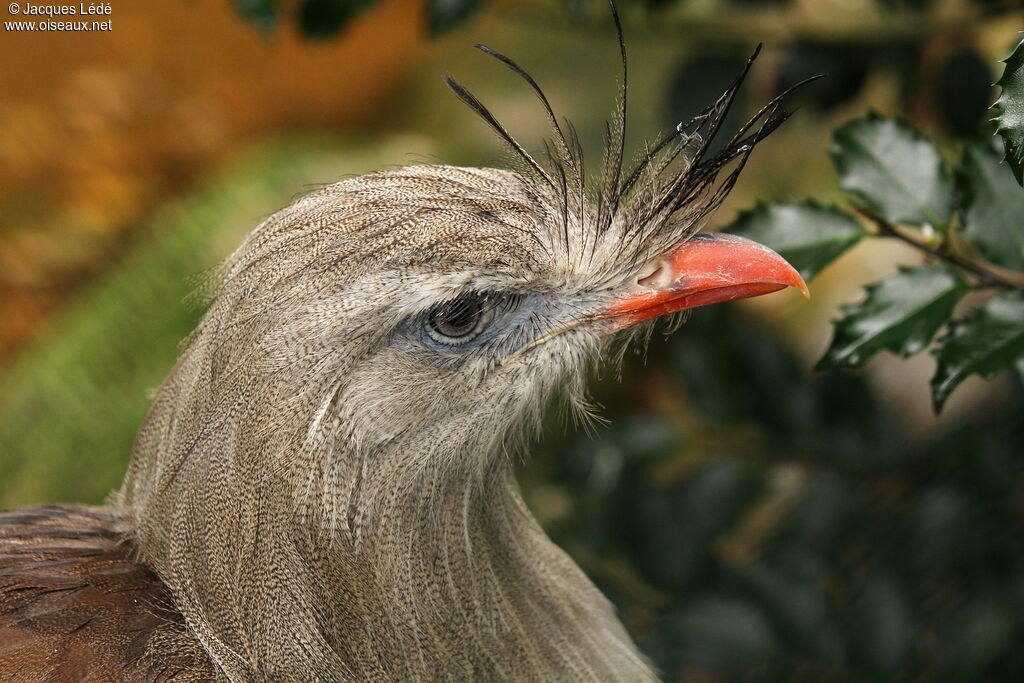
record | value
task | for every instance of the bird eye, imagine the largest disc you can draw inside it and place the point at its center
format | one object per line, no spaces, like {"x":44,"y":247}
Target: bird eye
{"x":460,"y":321}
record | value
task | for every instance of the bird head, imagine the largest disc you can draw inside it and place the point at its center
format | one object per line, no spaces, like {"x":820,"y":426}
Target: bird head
{"x":446,"y":304}
{"x":345,"y":412}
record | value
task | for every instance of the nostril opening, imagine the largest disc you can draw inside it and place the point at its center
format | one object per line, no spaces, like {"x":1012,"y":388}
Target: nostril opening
{"x":655,"y":275}
{"x":649,"y":280}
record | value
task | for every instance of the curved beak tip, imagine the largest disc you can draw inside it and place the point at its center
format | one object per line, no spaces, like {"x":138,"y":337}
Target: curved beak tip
{"x":802,"y":286}
{"x":706,"y":269}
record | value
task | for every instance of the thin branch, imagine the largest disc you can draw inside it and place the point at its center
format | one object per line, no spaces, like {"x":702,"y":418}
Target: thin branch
{"x":985,"y":277}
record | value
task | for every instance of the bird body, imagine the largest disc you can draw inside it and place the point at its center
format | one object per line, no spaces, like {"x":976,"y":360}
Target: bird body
{"x":77,"y":606}
{"x":323,"y":489}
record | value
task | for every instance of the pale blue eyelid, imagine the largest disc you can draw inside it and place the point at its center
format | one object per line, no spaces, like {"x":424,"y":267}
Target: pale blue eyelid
{"x":513,"y":310}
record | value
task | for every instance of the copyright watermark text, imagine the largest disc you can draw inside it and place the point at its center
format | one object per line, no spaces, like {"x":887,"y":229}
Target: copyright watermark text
{"x":84,"y":16}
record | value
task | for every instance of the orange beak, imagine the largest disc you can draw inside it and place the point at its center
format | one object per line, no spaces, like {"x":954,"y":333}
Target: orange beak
{"x":706,"y":269}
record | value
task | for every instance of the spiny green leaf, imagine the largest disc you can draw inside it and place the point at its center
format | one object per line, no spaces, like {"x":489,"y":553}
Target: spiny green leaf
{"x":808,"y":235}
{"x":1009,"y":110}
{"x":260,"y":13}
{"x":990,"y":341}
{"x":991,"y":206}
{"x":900,"y":314}
{"x":444,"y":15}
{"x":893,"y":170}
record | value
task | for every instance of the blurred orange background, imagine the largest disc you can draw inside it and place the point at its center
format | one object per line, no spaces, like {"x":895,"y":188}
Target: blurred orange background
{"x":96,"y":126}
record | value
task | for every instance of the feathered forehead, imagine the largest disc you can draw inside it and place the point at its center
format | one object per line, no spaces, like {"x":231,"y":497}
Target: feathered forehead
{"x":442,"y":218}
{"x":653,"y":204}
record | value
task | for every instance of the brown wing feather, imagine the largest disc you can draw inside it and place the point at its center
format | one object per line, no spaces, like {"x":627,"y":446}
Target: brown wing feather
{"x":74,"y":606}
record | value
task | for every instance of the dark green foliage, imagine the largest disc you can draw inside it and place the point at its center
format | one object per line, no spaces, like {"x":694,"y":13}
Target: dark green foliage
{"x":901,"y":314}
{"x":719,"y":632}
{"x":964,"y":91}
{"x":1009,"y":109}
{"x":990,"y":341}
{"x":844,"y":66}
{"x":808,"y":235}
{"x":898,"y":180}
{"x":781,"y":527}
{"x":325,"y":18}
{"x":444,"y":15}
{"x":893,"y":170}
{"x":262,"y":14}
{"x":317,"y":19}
{"x":991,"y":207}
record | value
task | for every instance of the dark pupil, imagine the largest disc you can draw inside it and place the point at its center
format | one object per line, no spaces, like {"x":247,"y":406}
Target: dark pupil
{"x":458,"y":319}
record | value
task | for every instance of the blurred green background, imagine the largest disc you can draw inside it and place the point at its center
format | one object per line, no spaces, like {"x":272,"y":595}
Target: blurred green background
{"x":751,"y":519}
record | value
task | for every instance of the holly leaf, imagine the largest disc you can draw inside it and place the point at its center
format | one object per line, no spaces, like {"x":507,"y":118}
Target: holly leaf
{"x":1009,"y":109}
{"x":894,"y":170}
{"x":808,"y":235}
{"x":987,"y":343}
{"x":901,"y":314}
{"x":444,"y":15}
{"x":991,"y":207}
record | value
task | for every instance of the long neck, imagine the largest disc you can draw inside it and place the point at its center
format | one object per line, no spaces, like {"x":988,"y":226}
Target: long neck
{"x":440,"y":577}
{"x":304,"y":538}
{"x":466,"y":586}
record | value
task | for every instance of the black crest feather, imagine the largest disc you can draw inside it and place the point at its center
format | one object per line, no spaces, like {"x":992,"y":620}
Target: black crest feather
{"x":678,"y":174}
